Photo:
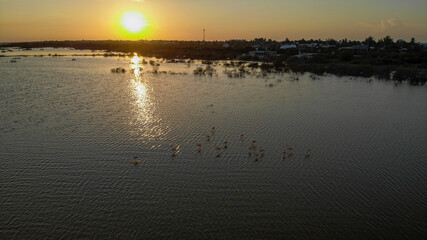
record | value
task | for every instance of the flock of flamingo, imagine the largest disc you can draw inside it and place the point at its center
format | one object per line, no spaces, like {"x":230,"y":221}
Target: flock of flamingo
{"x":253,"y":150}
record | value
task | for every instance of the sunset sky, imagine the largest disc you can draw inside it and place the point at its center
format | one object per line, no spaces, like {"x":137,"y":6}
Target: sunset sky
{"x":30,"y":20}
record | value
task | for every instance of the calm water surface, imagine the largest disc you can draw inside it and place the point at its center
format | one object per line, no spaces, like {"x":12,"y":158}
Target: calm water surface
{"x":70,"y":130}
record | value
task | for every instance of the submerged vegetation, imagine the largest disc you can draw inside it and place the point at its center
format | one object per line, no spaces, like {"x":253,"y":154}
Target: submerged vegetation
{"x":155,"y":66}
{"x":208,"y":70}
{"x":118,"y":70}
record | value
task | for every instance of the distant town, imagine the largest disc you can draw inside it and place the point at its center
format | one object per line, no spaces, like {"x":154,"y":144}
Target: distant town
{"x":384,"y":58}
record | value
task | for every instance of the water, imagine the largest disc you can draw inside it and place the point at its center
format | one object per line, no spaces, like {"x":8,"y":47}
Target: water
{"x":70,"y":130}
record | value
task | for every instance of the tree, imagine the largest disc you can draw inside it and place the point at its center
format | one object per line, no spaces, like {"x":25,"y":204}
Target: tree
{"x":331,"y":41}
{"x":260,"y":40}
{"x":369,"y":41}
{"x":388,"y":41}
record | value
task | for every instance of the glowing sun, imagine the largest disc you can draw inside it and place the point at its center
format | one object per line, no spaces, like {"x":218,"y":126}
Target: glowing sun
{"x":134,"y":21}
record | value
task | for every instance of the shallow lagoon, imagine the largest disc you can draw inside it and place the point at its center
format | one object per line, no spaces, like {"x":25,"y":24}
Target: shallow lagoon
{"x":70,"y":130}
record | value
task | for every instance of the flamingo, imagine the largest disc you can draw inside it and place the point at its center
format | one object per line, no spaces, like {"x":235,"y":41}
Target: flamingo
{"x":135,"y":160}
{"x":284,"y":154}
{"x":225,"y":144}
{"x":307,"y":154}
{"x":219,"y":152}
{"x":262,"y":152}
{"x":175,"y":151}
{"x":199,"y":147}
{"x":253,"y":144}
{"x":291,"y":153}
{"x":242,"y":136}
{"x":256,"y":156}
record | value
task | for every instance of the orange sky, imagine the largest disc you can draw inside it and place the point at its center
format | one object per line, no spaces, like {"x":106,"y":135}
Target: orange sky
{"x":25,"y":20}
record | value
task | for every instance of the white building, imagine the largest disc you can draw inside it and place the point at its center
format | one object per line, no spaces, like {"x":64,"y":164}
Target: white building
{"x":309,"y":45}
{"x":328,"y":46}
{"x":288,"y":46}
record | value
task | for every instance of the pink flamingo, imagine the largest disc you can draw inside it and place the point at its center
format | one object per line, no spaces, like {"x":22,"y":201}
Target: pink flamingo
{"x":219,"y":152}
{"x":252,"y":146}
{"x":291,"y":153}
{"x":262,"y":152}
{"x":175,"y":151}
{"x":225,"y":144}
{"x":135,"y":160}
{"x":242,"y":136}
{"x":307,"y":153}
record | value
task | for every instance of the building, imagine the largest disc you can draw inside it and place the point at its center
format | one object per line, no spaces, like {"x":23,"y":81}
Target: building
{"x":308,"y":45}
{"x":307,"y":55}
{"x":355,"y":47}
{"x":288,"y":46}
{"x":262,"y":54}
{"x":327,"y":46}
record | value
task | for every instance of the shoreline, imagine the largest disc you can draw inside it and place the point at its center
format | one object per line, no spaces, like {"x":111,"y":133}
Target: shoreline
{"x":342,"y":63}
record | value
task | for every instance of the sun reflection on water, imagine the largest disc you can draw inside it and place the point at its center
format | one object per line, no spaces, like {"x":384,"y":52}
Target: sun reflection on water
{"x":144,"y":105}
{"x":143,"y":102}
{"x":136,"y":66}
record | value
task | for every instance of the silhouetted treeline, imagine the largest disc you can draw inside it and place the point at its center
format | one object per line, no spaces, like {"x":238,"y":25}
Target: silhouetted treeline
{"x":160,"y":49}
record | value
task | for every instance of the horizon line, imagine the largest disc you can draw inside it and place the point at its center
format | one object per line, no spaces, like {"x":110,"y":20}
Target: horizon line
{"x":175,"y":40}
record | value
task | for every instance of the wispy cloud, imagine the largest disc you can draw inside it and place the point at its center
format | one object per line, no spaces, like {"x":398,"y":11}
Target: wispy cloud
{"x":382,"y":26}
{"x":391,"y":22}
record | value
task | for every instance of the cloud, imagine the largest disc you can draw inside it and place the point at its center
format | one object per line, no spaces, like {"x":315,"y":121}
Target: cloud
{"x":391,"y":22}
{"x":383,"y":26}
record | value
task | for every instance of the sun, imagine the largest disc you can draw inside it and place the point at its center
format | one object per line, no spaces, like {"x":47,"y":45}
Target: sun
{"x":134,"y":21}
